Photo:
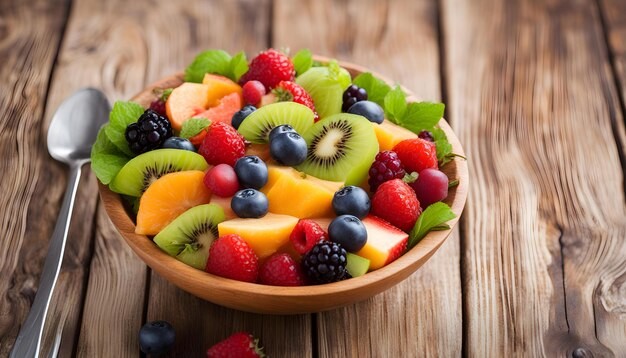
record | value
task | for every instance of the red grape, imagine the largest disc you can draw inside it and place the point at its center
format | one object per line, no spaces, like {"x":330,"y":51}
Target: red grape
{"x":222,"y":180}
{"x":430,"y":187}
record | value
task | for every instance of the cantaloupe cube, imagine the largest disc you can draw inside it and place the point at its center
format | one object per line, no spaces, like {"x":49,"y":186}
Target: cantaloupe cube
{"x":389,"y":134}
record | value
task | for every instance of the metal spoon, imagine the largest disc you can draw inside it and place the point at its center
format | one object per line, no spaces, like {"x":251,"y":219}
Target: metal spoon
{"x":72,"y":132}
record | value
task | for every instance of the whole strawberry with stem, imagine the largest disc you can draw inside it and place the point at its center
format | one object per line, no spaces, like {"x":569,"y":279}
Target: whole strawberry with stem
{"x":222,"y":145}
{"x":240,"y":345}
{"x":396,"y":202}
{"x":288,"y":91}
{"x":269,"y":67}
{"x":230,"y":256}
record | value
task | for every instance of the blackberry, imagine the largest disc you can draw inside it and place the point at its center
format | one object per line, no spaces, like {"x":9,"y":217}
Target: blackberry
{"x":325,"y":263}
{"x":386,"y":166}
{"x":352,"y":95}
{"x":427,"y":135}
{"x":148,"y":133}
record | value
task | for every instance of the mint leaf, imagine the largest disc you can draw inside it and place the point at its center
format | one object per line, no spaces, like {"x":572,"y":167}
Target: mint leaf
{"x":395,"y":105}
{"x":376,"y":88}
{"x":123,"y":114}
{"x":238,"y":65}
{"x":302,"y":61}
{"x":193,"y":126}
{"x":212,"y":61}
{"x":106,"y":158}
{"x":433,"y":218}
{"x":421,"y":116}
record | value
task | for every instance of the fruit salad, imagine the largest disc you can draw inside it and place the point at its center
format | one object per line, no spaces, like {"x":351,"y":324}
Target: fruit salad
{"x":279,"y":170}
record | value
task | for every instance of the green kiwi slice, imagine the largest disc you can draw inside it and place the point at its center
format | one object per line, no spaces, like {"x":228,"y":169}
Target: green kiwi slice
{"x":342,"y":148}
{"x":135,"y":177}
{"x":325,"y":88}
{"x":257,"y":126}
{"x":189,"y":237}
{"x":357,"y":265}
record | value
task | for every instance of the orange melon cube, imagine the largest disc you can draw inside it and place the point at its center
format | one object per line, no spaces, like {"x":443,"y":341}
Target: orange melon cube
{"x":220,"y":86}
{"x":224,"y":203}
{"x":389,"y":134}
{"x":385,"y":242}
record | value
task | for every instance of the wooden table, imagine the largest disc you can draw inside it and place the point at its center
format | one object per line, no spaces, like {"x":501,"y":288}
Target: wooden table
{"x":535,"y":91}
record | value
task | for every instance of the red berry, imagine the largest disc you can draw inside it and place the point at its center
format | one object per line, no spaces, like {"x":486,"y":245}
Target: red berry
{"x":158,"y":105}
{"x":222,"y":145}
{"x":252,"y":92}
{"x":306,"y":234}
{"x":396,"y":202}
{"x":430,"y":187}
{"x":269,"y":67}
{"x":291,"y":91}
{"x":241,"y":345}
{"x":417,"y":154}
{"x":386,"y":166}
{"x":222,"y":180}
{"x":281,"y":270}
{"x":231,"y":257}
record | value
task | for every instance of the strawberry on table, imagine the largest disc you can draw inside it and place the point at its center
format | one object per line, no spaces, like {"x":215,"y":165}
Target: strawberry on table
{"x":395,"y":202}
{"x":240,"y":345}
{"x":291,"y":91}
{"x":281,"y":270}
{"x":222,"y":145}
{"x":231,"y":257}
{"x":270,"y":67}
{"x":417,"y":154}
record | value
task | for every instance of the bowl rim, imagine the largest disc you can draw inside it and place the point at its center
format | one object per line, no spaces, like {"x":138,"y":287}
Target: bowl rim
{"x":187,"y":277}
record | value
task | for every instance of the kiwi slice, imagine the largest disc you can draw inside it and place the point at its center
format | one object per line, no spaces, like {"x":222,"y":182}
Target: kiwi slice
{"x":342,"y":148}
{"x":135,"y":177}
{"x":257,"y":126}
{"x":357,"y":265}
{"x":189,"y":236}
{"x":325,"y":86}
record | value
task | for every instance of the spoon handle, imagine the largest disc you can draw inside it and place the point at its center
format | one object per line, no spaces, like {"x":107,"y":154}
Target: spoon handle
{"x":28,"y":340}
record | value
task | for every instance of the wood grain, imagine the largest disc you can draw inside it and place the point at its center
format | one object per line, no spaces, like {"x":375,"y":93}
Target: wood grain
{"x":544,"y":257}
{"x":422,"y":315}
{"x":30,"y":35}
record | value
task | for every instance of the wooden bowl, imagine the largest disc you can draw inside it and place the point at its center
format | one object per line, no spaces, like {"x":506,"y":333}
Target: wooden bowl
{"x":286,"y":300}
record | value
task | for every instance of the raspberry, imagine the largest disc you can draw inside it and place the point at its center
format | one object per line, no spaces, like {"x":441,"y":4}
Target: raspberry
{"x":417,"y":154}
{"x":306,"y":234}
{"x":291,"y":91}
{"x":395,"y":202}
{"x":241,"y":345}
{"x":252,"y":91}
{"x":148,"y":133}
{"x":352,"y":95}
{"x":231,"y":257}
{"x":386,"y":166}
{"x":269,"y":67}
{"x":222,"y":145}
{"x":281,"y":270}
{"x":325,"y":263}
{"x":427,"y":135}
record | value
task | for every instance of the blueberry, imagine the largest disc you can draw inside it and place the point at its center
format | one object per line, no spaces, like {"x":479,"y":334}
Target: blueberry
{"x":240,"y":115}
{"x":288,"y":148}
{"x":349,"y":232}
{"x":251,"y":172}
{"x":368,"y":109}
{"x":351,"y":200}
{"x":283,"y":128}
{"x":156,"y":337}
{"x":178,"y":143}
{"x":249,"y":203}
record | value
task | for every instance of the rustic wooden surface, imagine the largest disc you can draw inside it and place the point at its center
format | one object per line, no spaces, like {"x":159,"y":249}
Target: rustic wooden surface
{"x":535,"y":91}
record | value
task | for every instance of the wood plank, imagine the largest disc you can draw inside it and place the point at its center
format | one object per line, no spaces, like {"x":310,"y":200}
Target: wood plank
{"x":544,"y":250}
{"x":400,"y":41}
{"x":31,"y":33}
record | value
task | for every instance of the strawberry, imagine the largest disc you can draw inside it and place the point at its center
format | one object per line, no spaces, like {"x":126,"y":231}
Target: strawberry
{"x":306,"y":234}
{"x":288,"y":91}
{"x":417,"y":154}
{"x":231,"y":257}
{"x":281,"y":270}
{"x":269,"y":67}
{"x":222,"y":145}
{"x":241,"y":345}
{"x":252,"y":92}
{"x":396,"y":202}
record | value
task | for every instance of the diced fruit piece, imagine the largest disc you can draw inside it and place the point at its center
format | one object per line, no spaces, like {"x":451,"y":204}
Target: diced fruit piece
{"x":348,"y":231}
{"x":224,"y":110}
{"x":260,"y":150}
{"x":148,"y":133}
{"x":185,"y":101}
{"x":288,"y":148}
{"x":178,"y":143}
{"x":281,"y":270}
{"x":389,"y":134}
{"x":222,"y":180}
{"x":136,"y":175}
{"x":396,"y":202}
{"x":265,"y":235}
{"x":251,"y":172}
{"x":352,"y":200}
{"x":220,"y":86}
{"x":258,"y":125}
{"x":269,"y":67}
{"x":252,"y":92}
{"x":430,"y":187}
{"x":222,"y":145}
{"x":291,"y":91}
{"x":168,"y":197}
{"x":189,"y":236}
{"x":230,"y":256}
{"x":325,"y":88}
{"x":368,"y":109}
{"x":249,"y":203}
{"x":156,"y":338}
{"x":306,"y":234}
{"x":325,"y":263}
{"x":238,"y":345}
{"x":341,"y":148}
{"x":240,"y":115}
{"x":386,"y":166}
{"x":385,"y":242}
{"x":294,"y":193}
{"x":224,"y":203}
{"x":267,"y":100}
{"x":357,"y":265}
{"x":352,"y":95}
{"x":417,"y":154}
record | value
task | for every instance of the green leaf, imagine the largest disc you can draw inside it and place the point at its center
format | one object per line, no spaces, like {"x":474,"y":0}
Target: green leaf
{"x":421,"y":116}
{"x":193,"y":126}
{"x":123,"y":114}
{"x":395,"y":105}
{"x":433,"y":218}
{"x":376,"y":88}
{"x":302,"y":61}
{"x":106,"y":158}
{"x":238,"y":65}
{"x":211,"y":61}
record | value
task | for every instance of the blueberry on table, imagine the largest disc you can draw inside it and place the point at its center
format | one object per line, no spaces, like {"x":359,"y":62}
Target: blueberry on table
{"x":156,"y":338}
{"x":251,"y":172}
{"x":288,"y":148}
{"x":178,"y":143}
{"x":368,"y":109}
{"x":351,"y":200}
{"x":283,"y":128}
{"x":349,"y":231}
{"x":249,"y":203}
{"x":242,"y":114}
